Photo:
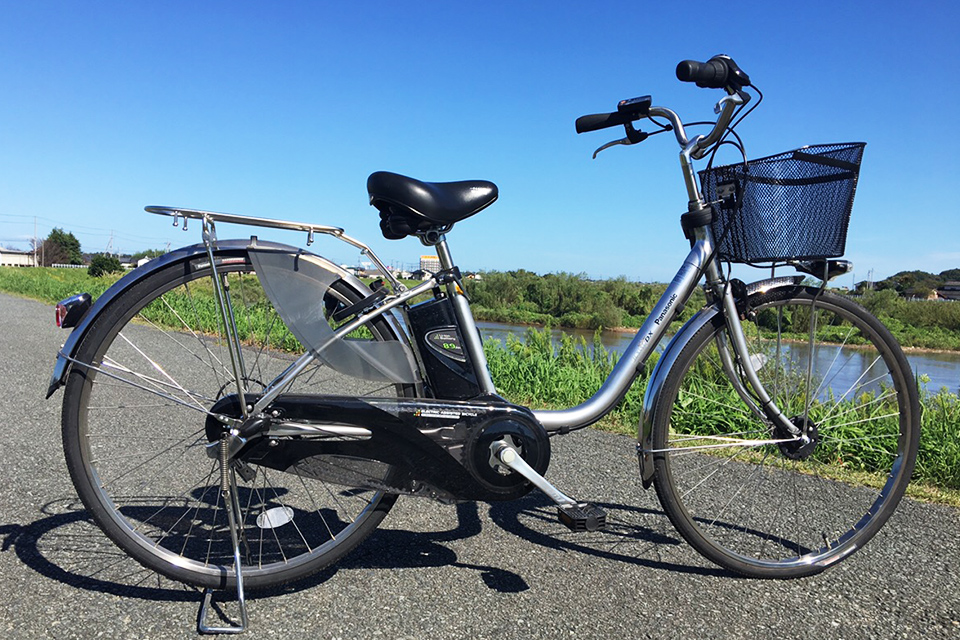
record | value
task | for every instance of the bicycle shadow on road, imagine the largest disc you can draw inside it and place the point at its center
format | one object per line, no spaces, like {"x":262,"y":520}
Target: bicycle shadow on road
{"x":633,"y":535}
{"x":67,"y":547}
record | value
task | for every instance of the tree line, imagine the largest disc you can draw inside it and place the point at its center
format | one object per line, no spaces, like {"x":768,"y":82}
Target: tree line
{"x":62,"y":247}
{"x":565,"y":299}
{"x":573,"y":300}
{"x":914,"y":284}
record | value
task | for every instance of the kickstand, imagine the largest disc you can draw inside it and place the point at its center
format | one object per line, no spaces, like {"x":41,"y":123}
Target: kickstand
{"x":211,"y":630}
{"x":228,"y":489}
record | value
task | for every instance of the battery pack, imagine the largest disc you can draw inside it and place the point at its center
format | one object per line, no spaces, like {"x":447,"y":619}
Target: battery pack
{"x":449,"y":368}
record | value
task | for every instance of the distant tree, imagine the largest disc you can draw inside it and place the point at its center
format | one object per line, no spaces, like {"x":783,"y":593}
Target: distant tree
{"x":61,"y":247}
{"x":882,"y":303}
{"x":148,"y":253}
{"x":883,"y":285}
{"x":911,"y":283}
{"x":102,"y":264}
{"x":950,"y":275}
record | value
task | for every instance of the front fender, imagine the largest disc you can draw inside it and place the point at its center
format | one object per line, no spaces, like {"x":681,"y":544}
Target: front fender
{"x":67,"y":353}
{"x":651,"y":398}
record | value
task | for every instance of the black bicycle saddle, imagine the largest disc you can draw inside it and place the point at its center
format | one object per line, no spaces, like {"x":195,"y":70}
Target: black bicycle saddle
{"x":408,"y":205}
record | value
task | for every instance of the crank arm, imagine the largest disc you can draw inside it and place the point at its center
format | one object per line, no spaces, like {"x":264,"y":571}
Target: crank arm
{"x":576,"y":516}
{"x":508,"y":456}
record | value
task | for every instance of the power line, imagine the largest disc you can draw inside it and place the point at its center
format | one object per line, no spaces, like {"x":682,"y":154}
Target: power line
{"x":94,"y":231}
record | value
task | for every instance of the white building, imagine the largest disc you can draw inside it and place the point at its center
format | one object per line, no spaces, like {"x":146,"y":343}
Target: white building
{"x":14,"y":258}
{"x":430,"y":264}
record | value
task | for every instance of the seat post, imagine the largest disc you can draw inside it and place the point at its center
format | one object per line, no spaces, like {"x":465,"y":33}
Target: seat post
{"x":468,"y":326}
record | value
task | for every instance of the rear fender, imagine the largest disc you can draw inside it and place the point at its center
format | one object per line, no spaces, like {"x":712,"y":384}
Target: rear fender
{"x":67,"y":353}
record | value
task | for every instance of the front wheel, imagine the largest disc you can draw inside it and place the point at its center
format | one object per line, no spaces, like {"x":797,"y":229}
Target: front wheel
{"x":765,"y":503}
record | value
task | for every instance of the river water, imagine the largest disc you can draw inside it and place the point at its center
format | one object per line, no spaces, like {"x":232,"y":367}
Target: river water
{"x":942,"y":368}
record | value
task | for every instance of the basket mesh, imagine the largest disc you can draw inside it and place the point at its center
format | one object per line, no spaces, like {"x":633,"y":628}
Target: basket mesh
{"x":791,"y":206}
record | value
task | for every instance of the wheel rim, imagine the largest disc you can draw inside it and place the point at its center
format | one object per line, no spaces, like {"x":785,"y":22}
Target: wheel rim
{"x":786,"y":507}
{"x":140,"y":423}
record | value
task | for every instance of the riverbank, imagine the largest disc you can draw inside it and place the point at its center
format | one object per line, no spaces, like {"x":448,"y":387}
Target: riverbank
{"x":632,"y":331}
{"x":939,"y":368}
{"x":572,"y":301}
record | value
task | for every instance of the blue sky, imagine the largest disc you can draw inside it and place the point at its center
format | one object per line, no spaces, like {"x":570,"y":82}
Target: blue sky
{"x":282,"y":109}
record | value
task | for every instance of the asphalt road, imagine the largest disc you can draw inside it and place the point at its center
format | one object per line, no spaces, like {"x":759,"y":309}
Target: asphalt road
{"x":435,"y":571}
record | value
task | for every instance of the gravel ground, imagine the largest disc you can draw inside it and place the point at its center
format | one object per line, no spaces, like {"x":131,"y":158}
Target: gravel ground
{"x":435,"y":571}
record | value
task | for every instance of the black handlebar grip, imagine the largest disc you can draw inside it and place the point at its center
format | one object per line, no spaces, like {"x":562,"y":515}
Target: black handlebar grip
{"x":598,"y":121}
{"x":711,"y":74}
{"x":719,"y":72}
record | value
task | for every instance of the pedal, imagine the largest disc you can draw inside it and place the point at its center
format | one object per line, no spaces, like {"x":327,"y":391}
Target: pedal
{"x":582,"y":516}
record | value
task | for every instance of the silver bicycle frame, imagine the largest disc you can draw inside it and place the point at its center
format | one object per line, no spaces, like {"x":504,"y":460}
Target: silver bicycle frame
{"x":640,"y":348}
{"x":699,"y":263}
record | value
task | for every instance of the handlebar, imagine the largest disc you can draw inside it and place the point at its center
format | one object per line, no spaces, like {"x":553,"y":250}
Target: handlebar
{"x":597,"y":121}
{"x":719,"y":72}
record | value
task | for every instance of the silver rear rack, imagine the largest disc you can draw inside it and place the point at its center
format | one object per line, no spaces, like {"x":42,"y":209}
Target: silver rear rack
{"x":179,"y":213}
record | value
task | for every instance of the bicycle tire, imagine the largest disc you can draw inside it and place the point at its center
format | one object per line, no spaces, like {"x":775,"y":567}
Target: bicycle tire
{"x":783,"y":510}
{"x":138,"y":460}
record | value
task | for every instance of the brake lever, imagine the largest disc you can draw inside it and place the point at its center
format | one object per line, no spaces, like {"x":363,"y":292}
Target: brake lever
{"x":611,"y":144}
{"x":633,"y":137}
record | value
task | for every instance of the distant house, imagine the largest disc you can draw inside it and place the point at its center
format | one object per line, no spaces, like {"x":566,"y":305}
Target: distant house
{"x":14,"y":258}
{"x":949,"y":291}
{"x":399,"y":274}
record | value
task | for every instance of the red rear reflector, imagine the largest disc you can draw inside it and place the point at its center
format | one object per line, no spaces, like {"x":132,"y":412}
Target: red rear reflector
{"x":71,"y":311}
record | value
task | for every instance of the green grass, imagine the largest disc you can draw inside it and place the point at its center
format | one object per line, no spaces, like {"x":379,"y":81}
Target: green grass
{"x":50,"y":285}
{"x":534,"y":372}
{"x":255,"y":315}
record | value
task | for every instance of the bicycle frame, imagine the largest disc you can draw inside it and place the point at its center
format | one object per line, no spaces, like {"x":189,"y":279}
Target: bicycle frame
{"x":697,"y":264}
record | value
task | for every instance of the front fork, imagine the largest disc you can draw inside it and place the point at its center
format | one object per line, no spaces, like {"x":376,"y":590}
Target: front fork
{"x":740,"y":361}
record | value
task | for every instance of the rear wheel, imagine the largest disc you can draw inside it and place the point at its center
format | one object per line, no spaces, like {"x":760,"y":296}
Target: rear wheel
{"x":136,"y":444}
{"x":765,"y":503}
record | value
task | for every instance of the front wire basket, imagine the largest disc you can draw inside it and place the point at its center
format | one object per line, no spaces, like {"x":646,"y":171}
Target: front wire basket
{"x":792,"y":206}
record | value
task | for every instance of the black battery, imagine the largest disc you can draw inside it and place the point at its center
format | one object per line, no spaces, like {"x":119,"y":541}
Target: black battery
{"x":449,"y":367}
